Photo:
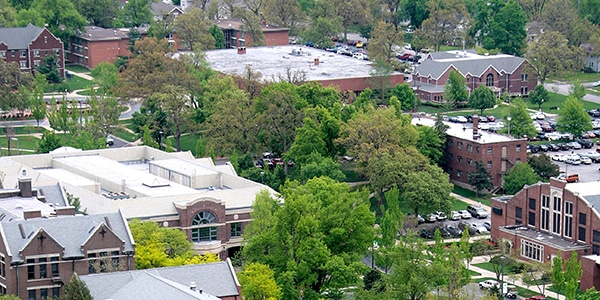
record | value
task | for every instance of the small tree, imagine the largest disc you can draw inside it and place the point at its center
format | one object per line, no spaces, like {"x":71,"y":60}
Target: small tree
{"x":558,"y":276}
{"x":480,"y":178}
{"x":76,"y":289}
{"x":49,"y":68}
{"x":455,"y":90}
{"x":48,"y":142}
{"x":482,"y":98}
{"x":573,"y":117}
{"x":573,"y":273}
{"x":258,"y":283}
{"x":517,"y":177}
{"x":543,"y":165}
{"x":539,"y":95}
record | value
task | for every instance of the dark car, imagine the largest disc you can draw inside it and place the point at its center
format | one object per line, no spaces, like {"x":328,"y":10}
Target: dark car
{"x":563,"y":146}
{"x":487,"y":225}
{"x":553,"y":147}
{"x":534,"y":148}
{"x":444,"y":232}
{"x":466,"y":226}
{"x":425,"y":234}
{"x":594,"y":113}
{"x":491,"y":118}
{"x":585,"y":143}
{"x":544,"y":148}
{"x":454,"y":231}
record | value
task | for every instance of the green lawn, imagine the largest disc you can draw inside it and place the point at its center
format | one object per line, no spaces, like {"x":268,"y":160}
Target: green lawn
{"x":78,"y":83}
{"x":188,"y":142}
{"x":24,"y":142}
{"x":126,"y":135}
{"x":77,"y":69}
{"x":24,"y":130}
{"x":483,"y":199}
{"x":572,"y":76}
{"x":523,"y":292}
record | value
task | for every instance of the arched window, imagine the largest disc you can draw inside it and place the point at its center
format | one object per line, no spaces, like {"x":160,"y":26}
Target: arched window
{"x":489,"y":80}
{"x":205,"y":233}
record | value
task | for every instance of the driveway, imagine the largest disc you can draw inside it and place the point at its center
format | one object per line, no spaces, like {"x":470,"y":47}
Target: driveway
{"x":564,"y":89}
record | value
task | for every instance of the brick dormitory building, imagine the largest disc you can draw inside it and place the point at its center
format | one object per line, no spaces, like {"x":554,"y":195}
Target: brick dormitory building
{"x":547,"y":217}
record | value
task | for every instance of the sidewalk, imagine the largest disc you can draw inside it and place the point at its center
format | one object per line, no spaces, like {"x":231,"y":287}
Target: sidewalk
{"x":516,"y":281}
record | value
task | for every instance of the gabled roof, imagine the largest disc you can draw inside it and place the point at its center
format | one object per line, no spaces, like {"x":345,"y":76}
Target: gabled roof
{"x":217,"y":279}
{"x":161,"y":8}
{"x":69,"y":231}
{"x":19,"y":37}
{"x":467,"y":63}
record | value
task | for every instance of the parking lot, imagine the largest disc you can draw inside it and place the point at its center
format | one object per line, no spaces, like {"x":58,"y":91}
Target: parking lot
{"x":587,"y":173}
{"x":432,"y":226}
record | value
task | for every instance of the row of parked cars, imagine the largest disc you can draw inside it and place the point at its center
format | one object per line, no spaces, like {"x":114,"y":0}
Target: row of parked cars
{"x":586,"y":158}
{"x":554,"y":147}
{"x":456,"y":230}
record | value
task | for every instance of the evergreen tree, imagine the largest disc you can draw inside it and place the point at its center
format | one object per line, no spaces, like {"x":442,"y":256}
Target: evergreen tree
{"x":76,"y":289}
{"x":480,"y":178}
{"x":219,"y":37}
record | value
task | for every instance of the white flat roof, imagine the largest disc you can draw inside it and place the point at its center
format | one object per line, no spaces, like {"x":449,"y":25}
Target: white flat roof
{"x":460,"y":131}
{"x":68,"y":177}
{"x":184,"y":167}
{"x":118,"y":173}
{"x":272,"y":62}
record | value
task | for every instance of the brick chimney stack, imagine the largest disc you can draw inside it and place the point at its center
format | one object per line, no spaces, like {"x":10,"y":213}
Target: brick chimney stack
{"x":25,"y":185}
{"x":241,"y":50}
{"x":475,"y":126}
{"x":316,"y":61}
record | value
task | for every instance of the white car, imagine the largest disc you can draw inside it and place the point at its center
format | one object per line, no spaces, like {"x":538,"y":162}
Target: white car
{"x":461,"y":119}
{"x":553,"y":136}
{"x":455,"y":215}
{"x":596,"y":84}
{"x":360,"y":56}
{"x":488,"y":284}
{"x":586,"y":160}
{"x":574,"y":145}
{"x":484,"y":126}
{"x":538,"y":116}
{"x":479,"y":228}
{"x":558,"y":157}
{"x":464,"y":214}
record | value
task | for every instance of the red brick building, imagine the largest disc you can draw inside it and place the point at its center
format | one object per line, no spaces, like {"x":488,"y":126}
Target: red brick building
{"x":27,"y":46}
{"x":545,"y":218}
{"x":40,"y":253}
{"x":236,"y":37}
{"x":465,"y":146}
{"x":502,"y":73}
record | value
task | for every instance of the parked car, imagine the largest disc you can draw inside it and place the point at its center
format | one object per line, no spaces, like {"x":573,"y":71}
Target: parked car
{"x":483,"y":119}
{"x":404,"y":56}
{"x":511,"y":292}
{"x":585,"y":143}
{"x":558,"y":157}
{"x":461,"y":119}
{"x":360,"y":56}
{"x":553,"y":147}
{"x":441,"y":216}
{"x":491,"y":118}
{"x":430,"y":218}
{"x":569,"y":178}
{"x":586,"y":161}
{"x":544,"y":148}
{"x":454,"y":231}
{"x":574,"y":145}
{"x":479,"y":228}
{"x":444,"y":232}
{"x":477,"y":212}
{"x":425,"y":234}
{"x":487,"y":225}
{"x":466,"y":226}
{"x":534,"y":148}
{"x":464,"y":214}
{"x":109,"y":141}
{"x":455,"y":215}
{"x":489,"y":284}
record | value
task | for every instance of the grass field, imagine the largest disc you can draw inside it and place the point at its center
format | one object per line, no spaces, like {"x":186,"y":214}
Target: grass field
{"x":573,"y":76}
{"x":28,"y":145}
{"x":483,"y":199}
{"x":126,"y":135}
{"x":24,"y":130}
{"x":78,"y":83}
{"x":188,"y":142}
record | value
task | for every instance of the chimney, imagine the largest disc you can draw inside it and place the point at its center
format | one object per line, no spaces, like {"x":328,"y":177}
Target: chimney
{"x":25,"y":185}
{"x":31,"y":214}
{"x":475,"y":126}
{"x":65,"y":211}
{"x":316,"y":61}
{"x":241,"y":50}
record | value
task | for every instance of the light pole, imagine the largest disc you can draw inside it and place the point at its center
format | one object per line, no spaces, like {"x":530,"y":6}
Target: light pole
{"x":160,"y":133}
{"x":262,"y":177}
{"x":503,"y":285}
{"x":508,"y":119}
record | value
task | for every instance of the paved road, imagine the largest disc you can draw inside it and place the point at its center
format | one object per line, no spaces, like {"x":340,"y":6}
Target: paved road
{"x":564,"y":89}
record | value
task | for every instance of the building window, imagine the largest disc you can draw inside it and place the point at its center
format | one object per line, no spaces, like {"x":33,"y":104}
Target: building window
{"x":459,"y":158}
{"x":531,"y":219}
{"x":582,"y":219}
{"x":30,"y":269}
{"x":23,"y":64}
{"x":518,"y":159}
{"x":524,"y":90}
{"x":450,"y":142}
{"x":518,"y":212}
{"x":45,"y":40}
{"x":459,"y":145}
{"x":556,"y":216}
{"x":42,"y":265}
{"x":2,"y":266}
{"x":36,"y":53}
{"x":22,"y":53}
{"x":12,"y":53}
{"x":489,"y":164}
{"x":532,"y":250}
{"x":236,"y":229}
{"x":458,"y":173}
{"x":518,"y":147}
{"x":36,"y":63}
{"x":204,"y":233}
{"x":489,"y":80}
{"x":54,"y":266}
{"x":531,"y":203}
{"x":545,"y":212}
{"x":523,"y":77}
{"x":581,"y":236}
{"x":115,"y":260}
{"x":568,"y":219}
{"x":56,"y":292}
{"x":3,"y":54}
{"x":489,"y":151}
{"x":469,"y":161}
{"x":596,"y":242}
{"x":470,"y":148}
{"x":91,"y":263}
{"x":43,"y":294}
{"x":31,"y":295}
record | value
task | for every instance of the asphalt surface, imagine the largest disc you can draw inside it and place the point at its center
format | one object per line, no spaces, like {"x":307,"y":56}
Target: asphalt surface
{"x":564,"y":89}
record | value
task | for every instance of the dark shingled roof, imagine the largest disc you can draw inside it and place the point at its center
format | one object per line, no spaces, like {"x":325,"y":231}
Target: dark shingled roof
{"x":215,"y":279}
{"x":437,"y":64}
{"x":19,"y":37}
{"x":69,"y":231}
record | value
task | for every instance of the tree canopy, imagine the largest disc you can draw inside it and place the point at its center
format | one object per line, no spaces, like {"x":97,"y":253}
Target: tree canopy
{"x":519,"y":175}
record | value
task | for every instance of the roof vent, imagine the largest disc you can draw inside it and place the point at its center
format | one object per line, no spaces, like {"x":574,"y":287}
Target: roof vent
{"x":193,"y":285}
{"x":22,"y":230}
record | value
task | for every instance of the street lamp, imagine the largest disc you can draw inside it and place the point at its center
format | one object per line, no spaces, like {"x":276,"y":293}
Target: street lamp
{"x":160,"y":133}
{"x":262,"y":177}
{"x":508,"y":119}
{"x":503,"y":285}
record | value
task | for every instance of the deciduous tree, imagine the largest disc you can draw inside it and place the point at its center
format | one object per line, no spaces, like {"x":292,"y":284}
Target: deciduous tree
{"x":135,"y":13}
{"x":521,"y":123}
{"x":430,"y":144}
{"x":48,"y":142}
{"x":405,"y":95}
{"x":482,"y":98}
{"x":551,"y":55}
{"x":573,"y":274}
{"x":384,"y":40}
{"x":573,"y":117}
{"x":105,"y":75}
{"x":543,"y":166}
{"x":62,"y":17}
{"x":193,"y":28}
{"x":508,"y":30}
{"x":539,"y":95}
{"x":518,"y":176}
{"x":480,"y":178}
{"x":455,"y":90}
{"x":447,"y":19}
{"x":258,"y":283}
{"x":12,"y":83}
{"x":98,"y":12}
{"x":284,"y":13}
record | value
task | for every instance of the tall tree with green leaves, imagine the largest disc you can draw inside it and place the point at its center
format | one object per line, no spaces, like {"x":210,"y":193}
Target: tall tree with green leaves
{"x":134,"y":14}
{"x":12,"y":83}
{"x":447,"y":19}
{"x":455,"y":90}
{"x":405,"y":95}
{"x":48,"y":142}
{"x":573,"y":118}
{"x":382,"y":45}
{"x":543,"y":166}
{"x":482,"y":98}
{"x":258,"y":282}
{"x":309,"y":139}
{"x":558,"y":275}
{"x":105,"y":75}
{"x":518,"y":176}
{"x":193,"y":28}
{"x":62,"y":17}
{"x":321,"y":31}
{"x":573,"y":274}
{"x":219,"y":37}
{"x":521,"y":124}
{"x":8,"y":14}
{"x":551,"y":55}
{"x":480,"y":178}
{"x":539,"y":95}
{"x":508,"y":30}
{"x":98,"y":12}
{"x":49,"y":68}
